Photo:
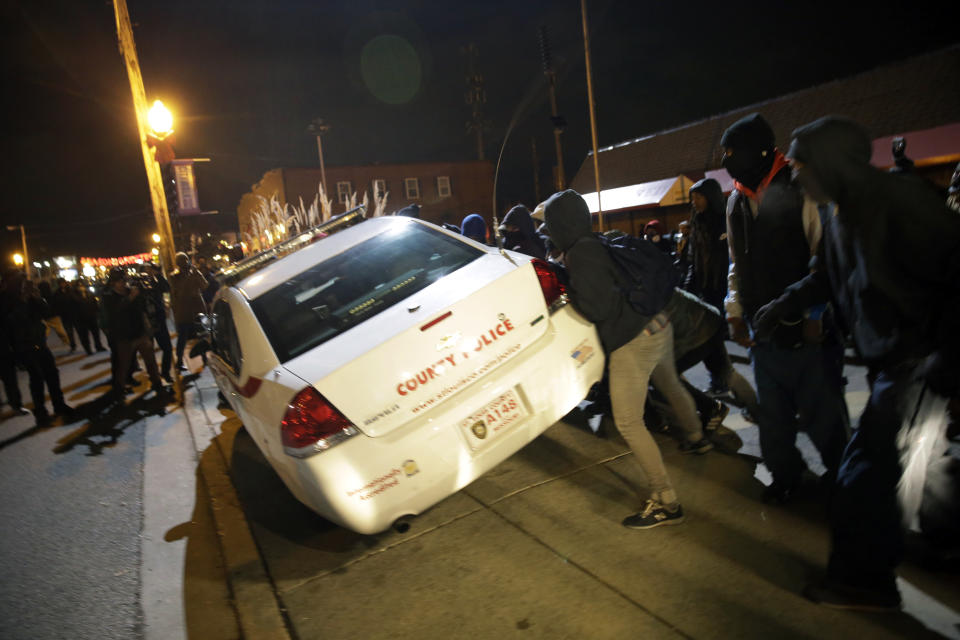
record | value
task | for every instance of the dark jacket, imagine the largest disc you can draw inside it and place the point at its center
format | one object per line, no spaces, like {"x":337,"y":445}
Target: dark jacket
{"x":28,"y":332}
{"x":126,"y":317}
{"x":596,"y":284}
{"x":890,"y":255}
{"x":526,"y":240}
{"x":709,"y":257}
{"x":694,"y":322}
{"x":771,"y":251}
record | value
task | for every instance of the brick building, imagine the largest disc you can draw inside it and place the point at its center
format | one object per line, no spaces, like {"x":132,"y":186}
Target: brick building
{"x":446,"y":191}
{"x":918,"y":99}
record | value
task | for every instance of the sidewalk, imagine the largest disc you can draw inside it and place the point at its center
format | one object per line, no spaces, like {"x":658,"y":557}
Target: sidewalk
{"x":536,"y":547}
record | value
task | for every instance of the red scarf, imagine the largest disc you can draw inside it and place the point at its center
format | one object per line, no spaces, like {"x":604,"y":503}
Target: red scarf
{"x":779,"y":162}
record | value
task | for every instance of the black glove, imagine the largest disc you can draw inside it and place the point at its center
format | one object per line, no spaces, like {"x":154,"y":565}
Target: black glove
{"x":942,"y":374}
{"x":765,"y":320}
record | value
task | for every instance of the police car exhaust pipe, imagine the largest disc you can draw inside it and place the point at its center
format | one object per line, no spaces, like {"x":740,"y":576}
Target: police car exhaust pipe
{"x":402,"y":524}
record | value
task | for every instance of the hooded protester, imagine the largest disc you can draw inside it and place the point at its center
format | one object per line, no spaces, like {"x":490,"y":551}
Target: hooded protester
{"x":187,"y":286}
{"x":520,"y":234}
{"x":474,"y":227}
{"x":773,"y":231}
{"x":709,"y":258}
{"x":654,"y":232}
{"x":639,"y":349}
{"x":890,"y":261}
{"x":410,"y":211}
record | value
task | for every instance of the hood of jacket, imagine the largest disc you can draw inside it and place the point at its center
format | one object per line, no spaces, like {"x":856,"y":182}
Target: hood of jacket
{"x":474,"y":226}
{"x":567,"y":218}
{"x":836,"y":152}
{"x":713,"y":192}
{"x":520,"y":216}
{"x":750,"y":142}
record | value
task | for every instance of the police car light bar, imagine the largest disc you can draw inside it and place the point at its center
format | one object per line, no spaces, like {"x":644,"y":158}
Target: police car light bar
{"x":246,"y":267}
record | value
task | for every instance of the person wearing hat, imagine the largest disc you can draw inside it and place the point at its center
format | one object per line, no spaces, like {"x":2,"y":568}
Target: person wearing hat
{"x":474,"y":227}
{"x":519,"y":233}
{"x":773,"y":231}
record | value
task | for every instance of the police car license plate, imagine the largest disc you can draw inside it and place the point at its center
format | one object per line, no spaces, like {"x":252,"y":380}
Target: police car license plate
{"x":492,"y":420}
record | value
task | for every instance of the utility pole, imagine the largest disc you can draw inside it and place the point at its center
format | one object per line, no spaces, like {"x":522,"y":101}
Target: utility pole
{"x":23,"y":247}
{"x":128,"y":50}
{"x":536,"y":169}
{"x":476,"y":97}
{"x":317,"y":128}
{"x":593,"y":116}
{"x":158,"y":197}
{"x":559,"y":122}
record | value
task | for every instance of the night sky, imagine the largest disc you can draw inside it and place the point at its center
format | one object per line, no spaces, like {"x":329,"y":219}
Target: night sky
{"x":244,"y":78}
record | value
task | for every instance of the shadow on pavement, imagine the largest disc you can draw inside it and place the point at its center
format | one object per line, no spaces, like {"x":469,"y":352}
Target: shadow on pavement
{"x":106,"y":421}
{"x":208,"y":611}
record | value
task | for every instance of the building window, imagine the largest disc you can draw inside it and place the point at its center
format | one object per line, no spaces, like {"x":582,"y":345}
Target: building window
{"x":343,"y":192}
{"x":412,"y":186}
{"x":379,"y":187}
{"x":443,"y":186}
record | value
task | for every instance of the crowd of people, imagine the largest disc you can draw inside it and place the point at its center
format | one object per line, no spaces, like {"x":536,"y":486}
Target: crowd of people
{"x":128,"y":308}
{"x":813,"y":252}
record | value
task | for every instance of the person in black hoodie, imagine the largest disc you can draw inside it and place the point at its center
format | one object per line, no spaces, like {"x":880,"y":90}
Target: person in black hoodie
{"x":773,"y":231}
{"x":890,"y":261}
{"x":639,"y":349}
{"x":520,"y":234}
{"x":706,"y":276}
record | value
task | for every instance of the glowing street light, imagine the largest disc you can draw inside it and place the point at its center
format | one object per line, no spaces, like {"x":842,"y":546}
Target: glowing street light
{"x":156,"y":251}
{"x":160,"y":120}
{"x":156,"y":238}
{"x":18,"y":259}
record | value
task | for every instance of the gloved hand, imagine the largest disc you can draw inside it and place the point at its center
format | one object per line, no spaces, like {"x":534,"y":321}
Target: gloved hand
{"x":739,"y":332}
{"x":766,"y":318}
{"x":942,"y":374}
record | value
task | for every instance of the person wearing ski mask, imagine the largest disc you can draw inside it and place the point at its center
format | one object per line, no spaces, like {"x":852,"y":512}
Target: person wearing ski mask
{"x":520,"y":234}
{"x":772,"y":232}
{"x":890,"y":262}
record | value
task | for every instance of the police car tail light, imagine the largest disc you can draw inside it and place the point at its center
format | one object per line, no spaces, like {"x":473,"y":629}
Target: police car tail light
{"x":312,"y":425}
{"x":554,"y":292}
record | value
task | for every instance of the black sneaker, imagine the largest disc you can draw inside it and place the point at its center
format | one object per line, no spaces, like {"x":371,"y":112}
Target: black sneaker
{"x":841,"y":596}
{"x":699,"y":447}
{"x":42,"y":418}
{"x":653,"y":515}
{"x":749,"y":417}
{"x":780,"y":492}
{"x":717,"y":416}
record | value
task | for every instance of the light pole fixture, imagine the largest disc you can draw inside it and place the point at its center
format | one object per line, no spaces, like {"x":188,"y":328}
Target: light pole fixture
{"x":317,"y":128}
{"x":160,"y":120}
{"x":25,"y":258}
{"x":156,"y":238}
{"x":18,"y":259}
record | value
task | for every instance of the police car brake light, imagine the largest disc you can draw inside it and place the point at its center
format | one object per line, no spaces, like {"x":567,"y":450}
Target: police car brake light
{"x":311,"y":425}
{"x":554,"y":293}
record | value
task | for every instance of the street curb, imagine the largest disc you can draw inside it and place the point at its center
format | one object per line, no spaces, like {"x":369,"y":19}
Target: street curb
{"x":258,"y":609}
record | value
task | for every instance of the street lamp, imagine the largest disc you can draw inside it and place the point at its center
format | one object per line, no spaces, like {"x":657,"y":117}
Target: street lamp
{"x":317,"y":128}
{"x":156,"y":238}
{"x":18,"y":259}
{"x":23,"y":246}
{"x":160,"y":120}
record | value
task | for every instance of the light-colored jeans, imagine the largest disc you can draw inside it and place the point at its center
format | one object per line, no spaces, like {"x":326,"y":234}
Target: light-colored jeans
{"x":646,"y":358}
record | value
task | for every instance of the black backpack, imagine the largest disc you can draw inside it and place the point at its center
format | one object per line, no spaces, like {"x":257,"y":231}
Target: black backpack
{"x":650,"y":270}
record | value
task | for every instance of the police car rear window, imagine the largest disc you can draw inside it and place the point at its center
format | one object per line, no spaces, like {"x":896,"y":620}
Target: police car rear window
{"x":340,"y":293}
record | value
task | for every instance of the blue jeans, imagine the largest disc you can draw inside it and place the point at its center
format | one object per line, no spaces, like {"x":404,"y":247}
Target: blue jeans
{"x":798,"y":390}
{"x":867,"y":538}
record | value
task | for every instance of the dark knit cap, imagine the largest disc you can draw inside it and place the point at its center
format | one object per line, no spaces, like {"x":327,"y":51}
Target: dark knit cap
{"x":750,"y":133}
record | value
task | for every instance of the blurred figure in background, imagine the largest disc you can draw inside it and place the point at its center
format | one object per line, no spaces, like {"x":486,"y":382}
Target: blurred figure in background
{"x":706,"y":274}
{"x":187,"y":286}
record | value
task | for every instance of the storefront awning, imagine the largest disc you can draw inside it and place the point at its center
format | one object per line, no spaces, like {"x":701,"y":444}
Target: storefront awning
{"x":659,"y":193}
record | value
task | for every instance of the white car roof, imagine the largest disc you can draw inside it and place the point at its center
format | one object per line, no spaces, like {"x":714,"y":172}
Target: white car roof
{"x":283,"y":269}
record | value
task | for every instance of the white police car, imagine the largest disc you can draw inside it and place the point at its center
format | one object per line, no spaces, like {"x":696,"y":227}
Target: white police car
{"x":383,"y":367}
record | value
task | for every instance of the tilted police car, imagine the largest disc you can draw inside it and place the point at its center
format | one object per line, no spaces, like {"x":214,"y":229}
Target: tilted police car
{"x":383,"y":367}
